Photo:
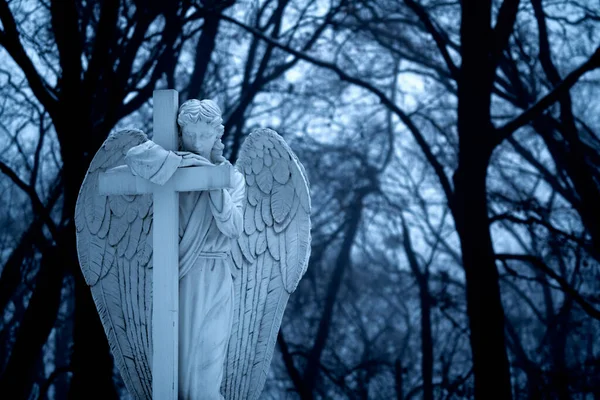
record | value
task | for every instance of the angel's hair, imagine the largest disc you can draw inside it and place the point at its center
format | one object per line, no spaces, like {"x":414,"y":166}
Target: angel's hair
{"x":208,"y":111}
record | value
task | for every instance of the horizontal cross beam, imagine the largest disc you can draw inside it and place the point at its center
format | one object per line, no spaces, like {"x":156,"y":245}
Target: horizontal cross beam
{"x":120,"y":180}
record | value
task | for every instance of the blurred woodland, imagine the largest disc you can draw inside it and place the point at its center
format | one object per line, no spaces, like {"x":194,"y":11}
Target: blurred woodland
{"x":453,"y":149}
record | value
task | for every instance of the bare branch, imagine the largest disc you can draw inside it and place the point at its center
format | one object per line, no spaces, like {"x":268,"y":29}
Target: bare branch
{"x":437,"y":37}
{"x":36,"y":157}
{"x":565,"y":286}
{"x":288,"y":361}
{"x":37,"y":204}
{"x":9,"y":39}
{"x":537,"y":109}
{"x":504,"y":28}
{"x":418,"y":136}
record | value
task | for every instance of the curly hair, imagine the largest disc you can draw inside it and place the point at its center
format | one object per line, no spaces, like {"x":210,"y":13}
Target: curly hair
{"x":208,"y":111}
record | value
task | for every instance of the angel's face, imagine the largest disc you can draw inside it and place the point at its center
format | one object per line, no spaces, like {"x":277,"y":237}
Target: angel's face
{"x":198,"y":137}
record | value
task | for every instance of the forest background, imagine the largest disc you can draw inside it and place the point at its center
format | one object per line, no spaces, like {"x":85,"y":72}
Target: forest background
{"x":453,"y":151}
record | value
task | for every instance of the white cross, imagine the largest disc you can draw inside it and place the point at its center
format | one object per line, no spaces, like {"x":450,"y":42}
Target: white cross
{"x":165,"y":285}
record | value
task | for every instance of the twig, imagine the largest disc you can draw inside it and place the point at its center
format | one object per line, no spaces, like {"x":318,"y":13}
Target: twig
{"x":37,"y":204}
{"x":538,"y":108}
{"x":565,"y":286}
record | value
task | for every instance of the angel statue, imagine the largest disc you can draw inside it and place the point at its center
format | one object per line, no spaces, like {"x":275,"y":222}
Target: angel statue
{"x":242,"y":252}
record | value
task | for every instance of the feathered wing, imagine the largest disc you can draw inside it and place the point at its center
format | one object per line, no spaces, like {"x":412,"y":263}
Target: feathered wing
{"x":269,"y":258}
{"x":114,"y":245}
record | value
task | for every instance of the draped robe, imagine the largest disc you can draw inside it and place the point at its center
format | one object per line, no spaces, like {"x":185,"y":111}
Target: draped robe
{"x":205,"y":281}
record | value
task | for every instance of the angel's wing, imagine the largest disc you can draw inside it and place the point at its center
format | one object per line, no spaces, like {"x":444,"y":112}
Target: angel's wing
{"x":114,"y":244}
{"x":270,"y":257}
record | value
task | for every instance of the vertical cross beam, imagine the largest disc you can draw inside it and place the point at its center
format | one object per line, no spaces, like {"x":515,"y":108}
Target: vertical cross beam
{"x":165,"y":296}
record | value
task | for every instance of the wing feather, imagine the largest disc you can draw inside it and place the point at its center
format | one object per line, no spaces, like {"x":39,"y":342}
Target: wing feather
{"x":257,"y":164}
{"x":114,"y":245}
{"x":272,"y":255}
{"x":94,"y":212}
{"x":268,"y":160}
{"x":258,"y":220}
{"x":281,"y":171}
{"x":264,"y":179}
{"x":118,"y":229}
{"x":281,"y":226}
{"x":147,"y":224}
{"x":253,"y":238}
{"x":236,"y":254}
{"x":243,"y":242}
{"x":118,"y":205}
{"x":267,"y":216}
{"x":249,"y":226}
{"x":124,"y":242}
{"x":261,"y":243}
{"x":273,"y":244}
{"x":303,"y":195}
{"x":135,"y":231}
{"x":105,"y":222}
{"x":253,"y":194}
{"x":281,"y":201}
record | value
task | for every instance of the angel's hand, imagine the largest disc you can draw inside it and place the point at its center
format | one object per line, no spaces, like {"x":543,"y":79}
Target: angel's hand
{"x":193,"y":160}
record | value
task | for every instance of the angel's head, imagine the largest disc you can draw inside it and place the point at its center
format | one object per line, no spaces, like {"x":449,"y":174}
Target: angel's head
{"x":201,"y":129}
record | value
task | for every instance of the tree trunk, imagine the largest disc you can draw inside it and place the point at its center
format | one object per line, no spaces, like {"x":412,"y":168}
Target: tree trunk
{"x":426,"y":338}
{"x":484,"y":307}
{"x":21,"y":372}
{"x":11,"y":273}
{"x":204,"y":49}
{"x":62,"y":347}
{"x":534,"y":377}
{"x":558,"y":328}
{"x":469,"y":204}
{"x":422,"y":278}
{"x":91,"y":362}
{"x":32,"y":238}
{"x":311,"y":371}
{"x":399,"y":379}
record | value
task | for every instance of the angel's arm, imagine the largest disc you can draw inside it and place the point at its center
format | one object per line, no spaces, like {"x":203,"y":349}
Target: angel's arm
{"x":152,"y":162}
{"x":227,"y":206}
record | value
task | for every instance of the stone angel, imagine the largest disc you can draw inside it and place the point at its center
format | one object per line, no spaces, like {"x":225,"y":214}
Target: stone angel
{"x":242,"y":252}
